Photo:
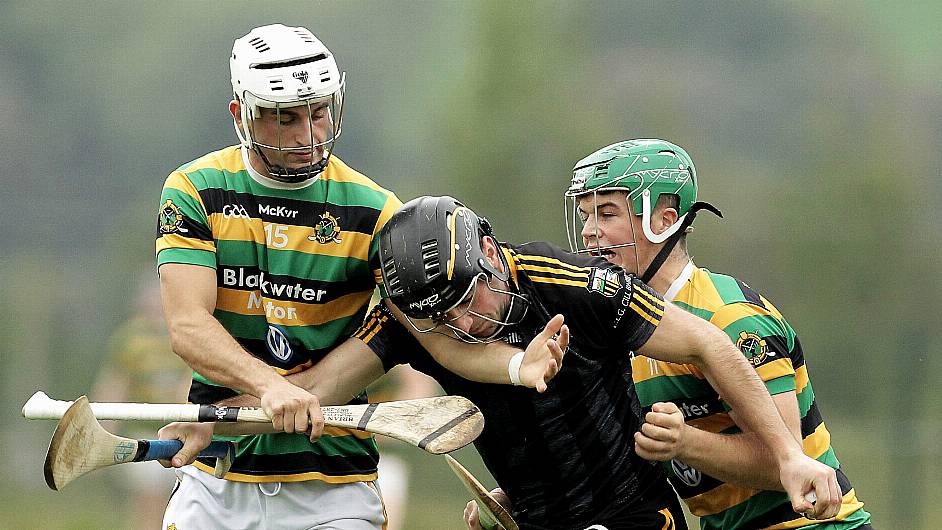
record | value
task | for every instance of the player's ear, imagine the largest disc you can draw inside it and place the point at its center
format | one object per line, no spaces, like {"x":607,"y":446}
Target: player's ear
{"x":236,"y":110}
{"x":491,"y":251}
{"x":667,"y":217}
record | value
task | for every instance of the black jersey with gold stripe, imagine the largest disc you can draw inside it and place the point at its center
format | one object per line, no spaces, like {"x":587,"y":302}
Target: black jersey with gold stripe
{"x":565,"y":457}
{"x":772,"y":346}
{"x":295,"y":270}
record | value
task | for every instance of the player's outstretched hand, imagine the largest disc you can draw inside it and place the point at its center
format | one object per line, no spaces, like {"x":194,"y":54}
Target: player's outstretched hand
{"x":195,"y":438}
{"x":544,"y":355}
{"x":801,"y":476}
{"x":293,"y":409}
{"x":472,"y":516}
{"x":661,"y":437}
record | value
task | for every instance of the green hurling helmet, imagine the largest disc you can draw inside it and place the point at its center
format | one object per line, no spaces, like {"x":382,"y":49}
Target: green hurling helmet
{"x":645,"y":169}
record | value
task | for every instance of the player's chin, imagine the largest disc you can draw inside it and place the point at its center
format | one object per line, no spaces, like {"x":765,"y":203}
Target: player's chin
{"x":614,"y":259}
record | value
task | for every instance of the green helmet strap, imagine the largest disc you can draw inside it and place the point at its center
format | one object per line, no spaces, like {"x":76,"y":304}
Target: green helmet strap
{"x":675,"y":237}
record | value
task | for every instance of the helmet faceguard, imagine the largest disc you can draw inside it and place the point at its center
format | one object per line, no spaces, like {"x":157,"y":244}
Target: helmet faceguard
{"x":432,"y":262}
{"x":290,"y":91}
{"x":645,"y":170}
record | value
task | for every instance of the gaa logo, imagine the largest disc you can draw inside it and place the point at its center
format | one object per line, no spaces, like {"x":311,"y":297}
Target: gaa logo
{"x":300,"y":75}
{"x":278,"y":344}
{"x":234,"y":210}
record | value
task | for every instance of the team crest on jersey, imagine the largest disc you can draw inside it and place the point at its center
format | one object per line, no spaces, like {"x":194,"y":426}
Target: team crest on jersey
{"x":685,"y":473}
{"x":170,"y":219}
{"x":753,"y":346}
{"x":604,"y":281}
{"x":327,"y":229}
{"x":278,"y":344}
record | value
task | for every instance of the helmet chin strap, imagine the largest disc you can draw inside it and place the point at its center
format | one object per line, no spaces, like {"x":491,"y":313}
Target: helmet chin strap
{"x":673,"y":234}
{"x":290,"y":175}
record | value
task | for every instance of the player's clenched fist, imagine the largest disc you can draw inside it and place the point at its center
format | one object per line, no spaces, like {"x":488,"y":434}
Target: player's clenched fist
{"x":195,"y":438}
{"x":662,"y":435}
{"x":293,"y":409}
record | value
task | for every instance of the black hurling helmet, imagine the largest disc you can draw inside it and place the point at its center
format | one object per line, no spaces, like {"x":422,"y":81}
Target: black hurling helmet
{"x":431,"y":258}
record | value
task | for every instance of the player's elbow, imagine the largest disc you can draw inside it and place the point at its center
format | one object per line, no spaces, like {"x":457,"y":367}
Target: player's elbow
{"x":183,"y":330}
{"x":709,"y":344}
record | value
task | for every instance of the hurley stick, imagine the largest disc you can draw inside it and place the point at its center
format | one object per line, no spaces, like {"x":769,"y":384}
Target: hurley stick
{"x":438,"y":425}
{"x":80,"y":445}
{"x":490,"y":513}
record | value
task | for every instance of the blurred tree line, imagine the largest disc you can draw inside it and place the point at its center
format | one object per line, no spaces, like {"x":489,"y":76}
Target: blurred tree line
{"x":815,"y":128}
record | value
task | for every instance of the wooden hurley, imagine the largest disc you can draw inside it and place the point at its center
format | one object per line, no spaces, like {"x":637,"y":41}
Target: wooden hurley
{"x":438,"y":425}
{"x":80,"y":445}
{"x":491,"y":513}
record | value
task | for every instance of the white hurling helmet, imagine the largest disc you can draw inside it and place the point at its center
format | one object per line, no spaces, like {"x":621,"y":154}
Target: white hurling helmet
{"x":280,"y":67}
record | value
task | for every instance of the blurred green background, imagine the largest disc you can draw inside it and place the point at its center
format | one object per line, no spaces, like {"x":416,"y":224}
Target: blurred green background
{"x":816,"y":128}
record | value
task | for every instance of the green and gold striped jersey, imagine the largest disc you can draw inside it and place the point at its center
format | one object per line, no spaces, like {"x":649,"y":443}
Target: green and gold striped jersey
{"x":295,"y":269}
{"x":772,"y":346}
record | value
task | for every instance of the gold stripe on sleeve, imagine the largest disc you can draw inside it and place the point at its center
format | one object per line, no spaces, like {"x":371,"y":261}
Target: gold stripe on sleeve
{"x":584,"y":276}
{"x":177,"y":241}
{"x":818,"y":442}
{"x":655,"y":308}
{"x":775,"y":369}
{"x":557,"y":281}
{"x":644,"y":314}
{"x":801,"y":378}
{"x":551,"y":261}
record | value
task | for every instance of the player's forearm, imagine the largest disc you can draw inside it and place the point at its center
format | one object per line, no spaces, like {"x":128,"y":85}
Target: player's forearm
{"x":342,"y":375}
{"x":339,"y":377}
{"x":202,"y":342}
{"x":740,"y":459}
{"x":739,"y":385}
{"x":484,"y":363}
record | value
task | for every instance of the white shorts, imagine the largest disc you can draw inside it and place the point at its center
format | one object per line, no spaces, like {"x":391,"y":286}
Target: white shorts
{"x":201,"y":501}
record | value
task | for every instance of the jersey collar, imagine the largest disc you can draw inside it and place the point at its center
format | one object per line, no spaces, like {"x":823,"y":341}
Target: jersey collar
{"x":679,"y":282}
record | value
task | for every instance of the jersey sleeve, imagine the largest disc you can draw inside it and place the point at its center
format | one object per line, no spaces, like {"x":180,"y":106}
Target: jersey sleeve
{"x":183,"y":230}
{"x":637,"y":313}
{"x":767,"y":341}
{"x":612,"y":311}
{"x":388,"y":339}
